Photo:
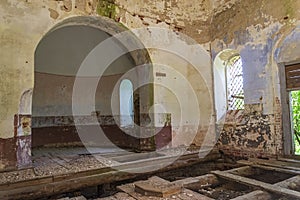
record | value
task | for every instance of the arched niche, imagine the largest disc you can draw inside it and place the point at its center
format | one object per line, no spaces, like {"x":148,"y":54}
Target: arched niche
{"x":58,"y":58}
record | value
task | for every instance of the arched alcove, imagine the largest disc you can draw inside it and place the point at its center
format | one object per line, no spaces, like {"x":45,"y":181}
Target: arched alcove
{"x":58,"y":58}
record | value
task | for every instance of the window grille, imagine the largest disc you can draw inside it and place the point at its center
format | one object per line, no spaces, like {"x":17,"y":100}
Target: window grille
{"x":235,"y":90}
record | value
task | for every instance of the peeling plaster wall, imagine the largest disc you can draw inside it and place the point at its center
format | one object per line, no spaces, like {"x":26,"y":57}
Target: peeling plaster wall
{"x":189,"y":17}
{"x":25,"y":22}
{"x":265,"y":33}
{"x":193,"y":19}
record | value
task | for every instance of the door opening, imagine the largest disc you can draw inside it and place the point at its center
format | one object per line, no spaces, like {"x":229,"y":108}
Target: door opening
{"x":295,"y":120}
{"x":290,"y":93}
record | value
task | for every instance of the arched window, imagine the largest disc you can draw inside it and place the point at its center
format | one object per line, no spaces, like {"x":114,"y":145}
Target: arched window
{"x":228,"y":82}
{"x":234,"y":83}
{"x":126,"y":103}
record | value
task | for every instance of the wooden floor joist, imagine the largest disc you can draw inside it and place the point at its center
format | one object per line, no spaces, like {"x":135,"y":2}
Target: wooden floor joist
{"x":276,"y":163}
{"x":290,"y":160}
{"x":258,"y":184}
{"x":291,"y":183}
{"x":277,"y":169}
{"x":257,"y":195}
{"x":270,"y":167}
{"x":58,"y":184}
{"x":242,"y":171}
{"x":196,"y":183}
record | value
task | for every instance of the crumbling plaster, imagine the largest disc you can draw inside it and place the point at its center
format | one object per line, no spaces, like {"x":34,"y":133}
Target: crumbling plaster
{"x":267,"y":36}
{"x":256,"y":29}
{"x":26,"y":22}
{"x":257,"y":37}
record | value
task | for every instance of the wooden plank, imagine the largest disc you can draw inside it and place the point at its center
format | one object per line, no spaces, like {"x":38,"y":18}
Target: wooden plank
{"x":118,"y":196}
{"x":73,"y":175}
{"x":42,"y":190}
{"x":190,"y":195}
{"x":123,"y":196}
{"x":258,"y":184}
{"x":245,"y":162}
{"x":196,"y":183}
{"x":276,"y":169}
{"x":129,"y":189}
{"x":289,"y":160}
{"x":108,"y":198}
{"x":293,"y":83}
{"x":286,"y":123}
{"x":78,"y":198}
{"x":156,"y":187}
{"x":257,"y":194}
{"x":242,"y":171}
{"x":292,"y":67}
{"x":291,"y":183}
{"x":271,"y":168}
{"x":186,"y":194}
{"x":292,"y":80}
{"x":292,"y":76}
{"x":276,"y":163}
{"x":21,"y":184}
{"x":73,"y":181}
{"x":158,"y":179}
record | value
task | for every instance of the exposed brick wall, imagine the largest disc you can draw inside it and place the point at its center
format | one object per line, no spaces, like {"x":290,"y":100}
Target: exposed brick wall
{"x":248,"y":133}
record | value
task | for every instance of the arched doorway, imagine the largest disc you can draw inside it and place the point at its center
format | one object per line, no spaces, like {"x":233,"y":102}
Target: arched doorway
{"x":58,"y":58}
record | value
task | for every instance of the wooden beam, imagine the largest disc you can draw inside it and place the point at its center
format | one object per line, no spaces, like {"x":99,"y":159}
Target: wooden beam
{"x":291,"y":183}
{"x":242,"y":171}
{"x":156,"y":187}
{"x":257,"y":194}
{"x":196,"y":183}
{"x":58,"y":184}
{"x":286,"y":121}
{"x":258,"y":184}
{"x":277,"y":169}
{"x":292,"y":67}
{"x":289,"y":160}
{"x":273,"y":163}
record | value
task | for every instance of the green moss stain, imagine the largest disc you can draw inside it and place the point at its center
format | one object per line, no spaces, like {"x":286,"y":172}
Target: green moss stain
{"x":107,"y":8}
{"x":289,"y":8}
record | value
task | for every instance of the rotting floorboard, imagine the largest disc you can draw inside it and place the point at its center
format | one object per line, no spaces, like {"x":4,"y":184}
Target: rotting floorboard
{"x":46,"y":184}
